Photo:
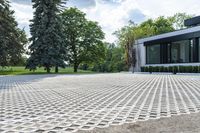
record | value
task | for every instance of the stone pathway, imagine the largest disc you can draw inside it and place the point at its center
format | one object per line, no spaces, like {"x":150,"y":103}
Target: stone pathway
{"x":68,"y":103}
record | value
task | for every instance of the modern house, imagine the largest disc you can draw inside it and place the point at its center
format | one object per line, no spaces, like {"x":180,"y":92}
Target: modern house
{"x":180,"y":47}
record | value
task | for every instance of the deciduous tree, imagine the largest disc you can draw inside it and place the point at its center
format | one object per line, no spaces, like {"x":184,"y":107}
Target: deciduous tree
{"x":178,"y":20}
{"x":83,"y":37}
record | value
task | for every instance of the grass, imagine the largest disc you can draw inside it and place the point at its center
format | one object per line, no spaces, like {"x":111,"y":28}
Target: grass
{"x":20,"y":70}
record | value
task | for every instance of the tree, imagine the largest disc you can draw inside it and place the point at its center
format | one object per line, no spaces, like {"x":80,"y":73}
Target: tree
{"x":114,"y":60}
{"x":12,"y":39}
{"x":127,"y":35}
{"x":178,"y":20}
{"x":152,"y":27}
{"x":84,"y":38}
{"x":162,"y":25}
{"x":47,"y":47}
{"x":126,"y":39}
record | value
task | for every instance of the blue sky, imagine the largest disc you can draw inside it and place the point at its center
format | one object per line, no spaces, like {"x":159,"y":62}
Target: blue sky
{"x":114,"y":14}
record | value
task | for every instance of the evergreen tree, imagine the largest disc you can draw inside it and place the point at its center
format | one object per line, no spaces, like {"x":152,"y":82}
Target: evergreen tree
{"x":47,"y":47}
{"x":12,"y":39}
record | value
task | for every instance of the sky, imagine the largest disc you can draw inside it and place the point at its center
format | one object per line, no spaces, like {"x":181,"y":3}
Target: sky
{"x":113,"y":14}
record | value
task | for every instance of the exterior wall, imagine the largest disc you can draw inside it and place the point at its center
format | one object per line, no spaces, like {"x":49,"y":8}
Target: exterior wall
{"x":141,"y":59}
{"x":140,"y":56}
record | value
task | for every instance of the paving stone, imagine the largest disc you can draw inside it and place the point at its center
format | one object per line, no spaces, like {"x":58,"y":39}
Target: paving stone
{"x":68,"y":103}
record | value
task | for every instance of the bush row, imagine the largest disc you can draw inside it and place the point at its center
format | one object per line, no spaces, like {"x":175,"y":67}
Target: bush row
{"x":173,"y":69}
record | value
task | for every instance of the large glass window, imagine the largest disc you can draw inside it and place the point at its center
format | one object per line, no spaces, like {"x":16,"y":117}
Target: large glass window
{"x":191,"y":50}
{"x":153,"y":54}
{"x":185,"y":51}
{"x":180,"y":51}
{"x":199,"y":49}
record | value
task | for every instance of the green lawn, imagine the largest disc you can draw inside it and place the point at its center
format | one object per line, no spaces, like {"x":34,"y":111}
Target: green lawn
{"x":17,"y":70}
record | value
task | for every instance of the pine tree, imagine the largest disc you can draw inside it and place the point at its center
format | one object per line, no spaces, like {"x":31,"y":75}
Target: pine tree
{"x":47,"y":47}
{"x":12,"y":39}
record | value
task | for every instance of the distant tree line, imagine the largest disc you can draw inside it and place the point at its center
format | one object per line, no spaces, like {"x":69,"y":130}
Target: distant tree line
{"x":63,"y":37}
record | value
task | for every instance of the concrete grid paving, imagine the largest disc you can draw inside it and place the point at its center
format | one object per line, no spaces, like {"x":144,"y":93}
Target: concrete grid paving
{"x":68,"y":103}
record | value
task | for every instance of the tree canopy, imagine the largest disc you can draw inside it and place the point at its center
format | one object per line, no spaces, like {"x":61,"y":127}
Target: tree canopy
{"x":12,"y":39}
{"x":83,"y":37}
{"x":178,"y":20}
{"x":128,"y":34}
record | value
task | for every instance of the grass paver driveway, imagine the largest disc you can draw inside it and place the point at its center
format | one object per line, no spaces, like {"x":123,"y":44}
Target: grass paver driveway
{"x":68,"y":103}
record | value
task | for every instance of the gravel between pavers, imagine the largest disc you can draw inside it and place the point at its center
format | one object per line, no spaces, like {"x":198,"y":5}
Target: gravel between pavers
{"x":176,"y":124}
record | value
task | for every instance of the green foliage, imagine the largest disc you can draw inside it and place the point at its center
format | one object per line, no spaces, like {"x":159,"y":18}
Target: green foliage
{"x":142,"y":69}
{"x":20,"y":70}
{"x":126,"y":39}
{"x":114,"y":60}
{"x":150,"y":69}
{"x":83,"y":37}
{"x":199,"y":69}
{"x":128,"y":34}
{"x":182,"y":69}
{"x":178,"y":20}
{"x":162,"y":69}
{"x":146,"y":69}
{"x":195,"y":69}
{"x":47,"y":47}
{"x":166,"y":69}
{"x":152,"y":27}
{"x":156,"y":69}
{"x":175,"y":69}
{"x":12,"y":39}
{"x":172,"y":69}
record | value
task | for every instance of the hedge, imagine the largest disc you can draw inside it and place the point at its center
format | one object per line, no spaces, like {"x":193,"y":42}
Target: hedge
{"x":172,"y":69}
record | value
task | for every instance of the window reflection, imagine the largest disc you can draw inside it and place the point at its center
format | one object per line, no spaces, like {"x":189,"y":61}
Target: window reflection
{"x":180,"y":52}
{"x":185,"y":51}
{"x":153,"y":54}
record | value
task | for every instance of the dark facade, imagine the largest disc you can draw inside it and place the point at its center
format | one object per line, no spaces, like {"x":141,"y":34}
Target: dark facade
{"x":176,"y":49}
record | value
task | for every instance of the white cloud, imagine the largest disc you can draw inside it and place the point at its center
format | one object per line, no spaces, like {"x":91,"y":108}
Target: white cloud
{"x":155,"y":8}
{"x":23,"y":14}
{"x":113,"y":14}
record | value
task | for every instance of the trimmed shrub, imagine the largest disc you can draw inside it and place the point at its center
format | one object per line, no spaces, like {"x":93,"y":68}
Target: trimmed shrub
{"x":170,"y":68}
{"x":166,"y":69}
{"x":199,"y":70}
{"x":175,"y":69}
{"x":162,"y":69}
{"x":142,"y":69}
{"x":189,"y":69}
{"x":195,"y":69}
{"x":150,"y":69}
{"x":181,"y":69}
{"x":146,"y":69}
{"x":156,"y":69}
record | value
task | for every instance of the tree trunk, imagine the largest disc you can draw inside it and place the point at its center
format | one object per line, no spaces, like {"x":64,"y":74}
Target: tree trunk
{"x":75,"y":62}
{"x":48,"y":69}
{"x":75,"y":67}
{"x":56,"y":69}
